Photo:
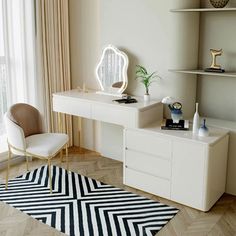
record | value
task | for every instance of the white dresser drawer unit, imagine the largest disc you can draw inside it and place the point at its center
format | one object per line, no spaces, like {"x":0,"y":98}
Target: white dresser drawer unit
{"x":150,"y":144}
{"x":147,"y":183}
{"x":149,"y":164}
{"x":176,"y":165}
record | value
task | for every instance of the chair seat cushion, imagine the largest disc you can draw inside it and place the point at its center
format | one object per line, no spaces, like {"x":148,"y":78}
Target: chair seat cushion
{"x":46,"y":144}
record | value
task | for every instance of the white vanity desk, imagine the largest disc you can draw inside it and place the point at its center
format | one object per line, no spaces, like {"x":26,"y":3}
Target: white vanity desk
{"x":101,"y":107}
{"x":171,"y":164}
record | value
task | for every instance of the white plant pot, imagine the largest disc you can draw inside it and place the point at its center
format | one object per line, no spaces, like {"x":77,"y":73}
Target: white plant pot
{"x":146,"y":97}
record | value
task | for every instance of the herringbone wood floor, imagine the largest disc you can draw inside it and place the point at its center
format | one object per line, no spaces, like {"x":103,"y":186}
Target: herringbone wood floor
{"x":221,"y":220}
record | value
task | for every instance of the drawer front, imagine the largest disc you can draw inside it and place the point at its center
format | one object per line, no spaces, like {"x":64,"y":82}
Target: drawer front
{"x":72,"y":106}
{"x":148,"y":164}
{"x":148,"y":143}
{"x":114,"y":115}
{"x":147,"y":183}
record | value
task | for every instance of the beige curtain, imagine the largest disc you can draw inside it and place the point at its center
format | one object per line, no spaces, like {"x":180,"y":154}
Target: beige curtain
{"x":54,"y":58}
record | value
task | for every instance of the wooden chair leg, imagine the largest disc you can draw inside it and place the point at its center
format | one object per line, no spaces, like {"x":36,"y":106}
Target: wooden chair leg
{"x":49,"y":175}
{"x":8,"y":167}
{"x":67,"y":161}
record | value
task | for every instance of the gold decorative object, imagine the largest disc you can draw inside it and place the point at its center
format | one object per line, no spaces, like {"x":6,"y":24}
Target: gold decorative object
{"x":214,"y":54}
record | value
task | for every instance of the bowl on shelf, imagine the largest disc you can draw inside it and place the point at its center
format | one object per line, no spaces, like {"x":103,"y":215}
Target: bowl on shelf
{"x":219,"y":3}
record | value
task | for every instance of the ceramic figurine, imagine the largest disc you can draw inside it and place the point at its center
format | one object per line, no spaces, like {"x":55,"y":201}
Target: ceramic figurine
{"x":176,"y":112}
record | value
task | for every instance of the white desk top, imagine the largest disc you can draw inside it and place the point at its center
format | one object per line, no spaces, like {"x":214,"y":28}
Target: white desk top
{"x":94,"y":97}
{"x":224,"y":124}
{"x":215,"y":133}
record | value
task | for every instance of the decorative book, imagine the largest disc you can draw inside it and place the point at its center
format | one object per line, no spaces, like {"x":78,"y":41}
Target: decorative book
{"x":170,"y":125}
{"x":125,"y":100}
{"x":214,"y":70}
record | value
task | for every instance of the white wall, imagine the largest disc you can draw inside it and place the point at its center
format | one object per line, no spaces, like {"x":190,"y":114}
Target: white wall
{"x":150,"y":34}
{"x":84,"y":42}
{"x":160,"y":40}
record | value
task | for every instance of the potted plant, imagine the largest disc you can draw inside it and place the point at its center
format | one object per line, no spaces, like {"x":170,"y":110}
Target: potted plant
{"x":146,"y":79}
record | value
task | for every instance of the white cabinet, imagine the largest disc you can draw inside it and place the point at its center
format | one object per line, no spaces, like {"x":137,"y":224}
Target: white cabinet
{"x":176,"y":165}
{"x":147,"y":162}
{"x":188,"y":173}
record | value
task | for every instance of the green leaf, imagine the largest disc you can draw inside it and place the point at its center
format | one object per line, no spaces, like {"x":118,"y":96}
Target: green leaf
{"x":145,"y":78}
{"x":142,"y":69}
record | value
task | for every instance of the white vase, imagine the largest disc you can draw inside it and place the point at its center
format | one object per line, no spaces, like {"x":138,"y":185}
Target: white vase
{"x":146,"y":97}
{"x":196,"y":121}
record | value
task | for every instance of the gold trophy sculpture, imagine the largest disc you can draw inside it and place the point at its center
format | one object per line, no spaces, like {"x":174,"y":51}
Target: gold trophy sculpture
{"x":214,"y":67}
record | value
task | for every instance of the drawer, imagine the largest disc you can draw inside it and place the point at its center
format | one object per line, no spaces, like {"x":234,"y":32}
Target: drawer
{"x":114,"y":115}
{"x":148,"y":143}
{"x":148,"y":164}
{"x":72,"y":106}
{"x":147,"y":183}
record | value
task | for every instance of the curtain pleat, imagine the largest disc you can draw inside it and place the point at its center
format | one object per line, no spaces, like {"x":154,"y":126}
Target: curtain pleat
{"x":53,"y":39}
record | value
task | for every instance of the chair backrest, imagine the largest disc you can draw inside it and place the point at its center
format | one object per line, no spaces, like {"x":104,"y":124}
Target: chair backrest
{"x":15,"y":136}
{"x":27,"y":117}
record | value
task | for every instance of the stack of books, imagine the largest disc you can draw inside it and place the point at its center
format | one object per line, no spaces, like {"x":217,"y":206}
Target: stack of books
{"x":214,"y":70}
{"x":170,"y":125}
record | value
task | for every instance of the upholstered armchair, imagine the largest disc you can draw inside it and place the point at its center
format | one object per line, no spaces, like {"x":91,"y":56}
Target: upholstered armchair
{"x":25,"y":137}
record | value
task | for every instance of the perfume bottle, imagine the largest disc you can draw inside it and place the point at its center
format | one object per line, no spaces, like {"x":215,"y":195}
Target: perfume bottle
{"x":196,"y":120}
{"x":203,"y":131}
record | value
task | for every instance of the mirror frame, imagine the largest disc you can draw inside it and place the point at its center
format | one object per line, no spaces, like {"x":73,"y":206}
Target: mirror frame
{"x":124,"y":70}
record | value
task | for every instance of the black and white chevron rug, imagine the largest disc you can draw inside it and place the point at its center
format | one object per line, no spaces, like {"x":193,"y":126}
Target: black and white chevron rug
{"x":84,"y":206}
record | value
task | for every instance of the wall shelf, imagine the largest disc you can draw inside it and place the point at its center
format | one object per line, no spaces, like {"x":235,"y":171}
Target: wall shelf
{"x":204,"y":10}
{"x":202,"y":72}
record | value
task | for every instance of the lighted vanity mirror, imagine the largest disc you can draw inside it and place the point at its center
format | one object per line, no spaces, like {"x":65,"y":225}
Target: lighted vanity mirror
{"x":111,"y":71}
